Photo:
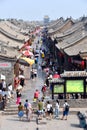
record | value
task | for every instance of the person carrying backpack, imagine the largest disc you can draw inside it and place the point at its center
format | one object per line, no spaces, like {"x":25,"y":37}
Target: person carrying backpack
{"x":49,"y":112}
{"x":65,"y":110}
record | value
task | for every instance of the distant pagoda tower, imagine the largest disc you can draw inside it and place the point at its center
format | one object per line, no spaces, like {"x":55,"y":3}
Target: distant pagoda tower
{"x":46,"y":19}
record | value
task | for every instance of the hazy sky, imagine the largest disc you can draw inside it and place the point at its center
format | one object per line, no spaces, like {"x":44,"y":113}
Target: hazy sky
{"x":37,"y":9}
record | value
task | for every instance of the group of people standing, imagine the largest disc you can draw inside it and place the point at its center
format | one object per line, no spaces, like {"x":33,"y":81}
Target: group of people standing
{"x":48,"y":109}
{"x":54,"y":110}
{"x":51,"y":110}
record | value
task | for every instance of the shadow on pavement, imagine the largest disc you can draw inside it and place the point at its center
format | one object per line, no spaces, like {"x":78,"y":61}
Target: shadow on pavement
{"x":75,"y":125}
{"x":22,"y":120}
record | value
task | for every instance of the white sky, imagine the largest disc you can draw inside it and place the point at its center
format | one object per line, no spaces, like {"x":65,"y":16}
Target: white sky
{"x":37,"y":9}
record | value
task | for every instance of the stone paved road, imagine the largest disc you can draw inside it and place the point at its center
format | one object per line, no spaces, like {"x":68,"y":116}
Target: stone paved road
{"x":13,"y":123}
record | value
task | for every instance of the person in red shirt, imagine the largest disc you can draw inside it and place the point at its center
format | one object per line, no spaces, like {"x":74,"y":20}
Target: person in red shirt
{"x":36,"y":94}
{"x":44,"y":90}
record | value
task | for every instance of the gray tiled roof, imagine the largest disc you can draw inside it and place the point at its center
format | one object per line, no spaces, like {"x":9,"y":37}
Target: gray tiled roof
{"x":77,"y":48}
{"x":8,"y":51}
{"x":74,"y":43}
{"x":70,"y":31}
{"x":9,"y":42}
{"x":59,"y":26}
{"x":55,"y":24}
{"x":9,"y":31}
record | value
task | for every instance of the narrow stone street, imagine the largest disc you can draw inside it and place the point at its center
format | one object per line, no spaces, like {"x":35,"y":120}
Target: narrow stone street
{"x":11,"y":121}
{"x":32,"y":84}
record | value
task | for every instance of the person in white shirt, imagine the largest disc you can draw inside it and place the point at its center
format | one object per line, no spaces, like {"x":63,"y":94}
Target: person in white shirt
{"x":35,"y":73}
{"x":10,"y":93}
{"x":49,"y":110}
{"x":3,"y":84}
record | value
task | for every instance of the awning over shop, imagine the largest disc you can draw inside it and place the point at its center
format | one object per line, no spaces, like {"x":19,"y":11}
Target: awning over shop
{"x":28,"y":60}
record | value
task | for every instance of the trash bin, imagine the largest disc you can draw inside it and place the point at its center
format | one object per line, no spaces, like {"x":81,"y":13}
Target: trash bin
{"x":82,"y":119}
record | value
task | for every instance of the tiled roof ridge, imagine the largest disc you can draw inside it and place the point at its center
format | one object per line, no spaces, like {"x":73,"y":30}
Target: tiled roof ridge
{"x":57,"y":29}
{"x":75,"y":42}
{"x":13,"y":37}
{"x":57,"y":22}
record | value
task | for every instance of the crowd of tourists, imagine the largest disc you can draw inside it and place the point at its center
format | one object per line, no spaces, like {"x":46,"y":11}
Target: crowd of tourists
{"x":40,"y":106}
{"x":44,"y":109}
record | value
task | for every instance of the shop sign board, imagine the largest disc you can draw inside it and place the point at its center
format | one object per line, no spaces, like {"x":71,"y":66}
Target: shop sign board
{"x":5,"y":65}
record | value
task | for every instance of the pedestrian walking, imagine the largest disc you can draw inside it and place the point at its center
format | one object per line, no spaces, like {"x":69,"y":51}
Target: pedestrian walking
{"x":40,"y":109}
{"x":39,"y":67}
{"x":35,"y":73}
{"x":20,"y":110}
{"x":49,"y":112}
{"x":18,"y":93}
{"x":44,"y":109}
{"x":4,"y":99}
{"x":28,"y":109}
{"x":4,"y":85}
{"x":32,"y":74}
{"x":36,"y":94}
{"x":44,"y":88}
{"x":22,"y":82}
{"x":65,"y":110}
{"x":10,"y":91}
{"x":57,"y":109}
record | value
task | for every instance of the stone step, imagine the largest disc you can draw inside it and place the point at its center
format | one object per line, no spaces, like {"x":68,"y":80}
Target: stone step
{"x":10,"y":109}
{"x":11,"y":106}
{"x":16,"y":112}
{"x":9,"y":113}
